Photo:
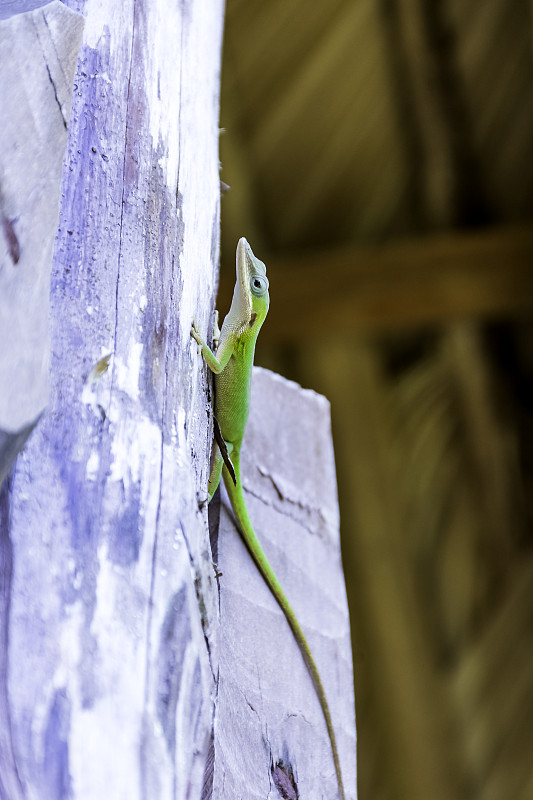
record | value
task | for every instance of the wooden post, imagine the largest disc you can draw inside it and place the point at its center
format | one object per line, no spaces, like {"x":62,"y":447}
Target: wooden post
{"x":269,"y":724}
{"x":121,"y":643}
{"x":38,"y":54}
{"x":107,"y":681}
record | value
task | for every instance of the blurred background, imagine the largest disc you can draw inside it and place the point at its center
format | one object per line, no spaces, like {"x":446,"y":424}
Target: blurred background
{"x":379,"y":154}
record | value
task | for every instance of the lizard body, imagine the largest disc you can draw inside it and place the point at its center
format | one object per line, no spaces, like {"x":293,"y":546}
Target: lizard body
{"x":232,"y":366}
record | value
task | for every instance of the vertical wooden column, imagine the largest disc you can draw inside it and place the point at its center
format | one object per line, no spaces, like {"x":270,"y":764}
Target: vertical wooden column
{"x":109,"y":607}
{"x":38,"y":55}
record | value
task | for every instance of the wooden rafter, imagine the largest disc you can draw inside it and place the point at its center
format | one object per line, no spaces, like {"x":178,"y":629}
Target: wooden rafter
{"x":434,"y":279}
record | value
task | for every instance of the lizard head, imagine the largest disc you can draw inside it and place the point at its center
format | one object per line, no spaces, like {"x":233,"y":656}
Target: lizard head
{"x":250,"y":297}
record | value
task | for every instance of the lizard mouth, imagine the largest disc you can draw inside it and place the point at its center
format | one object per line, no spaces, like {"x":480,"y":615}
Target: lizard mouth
{"x":244,"y":257}
{"x":247,"y":266}
{"x":244,"y":268}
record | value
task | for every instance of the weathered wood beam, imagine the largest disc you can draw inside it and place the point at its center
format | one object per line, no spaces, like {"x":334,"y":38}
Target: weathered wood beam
{"x":435,"y":279}
{"x":38,"y":55}
{"x":266,"y":704}
{"x":106,"y":684}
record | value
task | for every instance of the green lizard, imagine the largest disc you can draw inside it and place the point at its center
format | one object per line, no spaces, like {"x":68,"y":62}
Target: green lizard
{"x":232,"y":366}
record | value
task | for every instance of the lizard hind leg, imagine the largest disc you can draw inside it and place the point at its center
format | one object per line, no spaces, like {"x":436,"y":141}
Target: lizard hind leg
{"x":216,"y":469}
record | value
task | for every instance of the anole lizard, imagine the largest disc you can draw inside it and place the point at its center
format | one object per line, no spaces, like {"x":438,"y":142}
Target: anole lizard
{"x":232,"y":366}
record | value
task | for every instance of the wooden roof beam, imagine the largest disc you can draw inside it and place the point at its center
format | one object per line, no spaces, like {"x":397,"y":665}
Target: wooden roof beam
{"x":427,"y":280}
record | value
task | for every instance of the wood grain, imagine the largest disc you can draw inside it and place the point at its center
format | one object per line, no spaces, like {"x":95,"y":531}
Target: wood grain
{"x":38,"y":54}
{"x":111,"y":690}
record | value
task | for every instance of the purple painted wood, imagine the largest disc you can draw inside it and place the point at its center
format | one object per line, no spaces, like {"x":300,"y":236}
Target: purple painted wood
{"x":112,"y":596}
{"x":38,"y":55}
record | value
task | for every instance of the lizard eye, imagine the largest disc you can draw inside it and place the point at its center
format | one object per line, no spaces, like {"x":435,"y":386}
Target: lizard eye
{"x":259,"y":285}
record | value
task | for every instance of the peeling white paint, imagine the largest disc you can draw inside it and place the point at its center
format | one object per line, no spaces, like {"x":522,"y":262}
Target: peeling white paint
{"x":95,"y":11}
{"x":136,"y":448}
{"x":93,"y":465}
{"x":111,"y":724}
{"x":128,"y":373}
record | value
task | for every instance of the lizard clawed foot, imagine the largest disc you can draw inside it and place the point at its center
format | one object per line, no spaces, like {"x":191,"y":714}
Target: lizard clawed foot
{"x":216,"y":331}
{"x":196,"y":335}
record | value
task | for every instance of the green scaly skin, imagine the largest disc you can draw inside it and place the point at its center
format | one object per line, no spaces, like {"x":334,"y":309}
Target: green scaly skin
{"x":232,"y":366}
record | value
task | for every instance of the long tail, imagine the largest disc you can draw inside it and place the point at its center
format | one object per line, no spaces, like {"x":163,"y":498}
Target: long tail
{"x":252,"y":543}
